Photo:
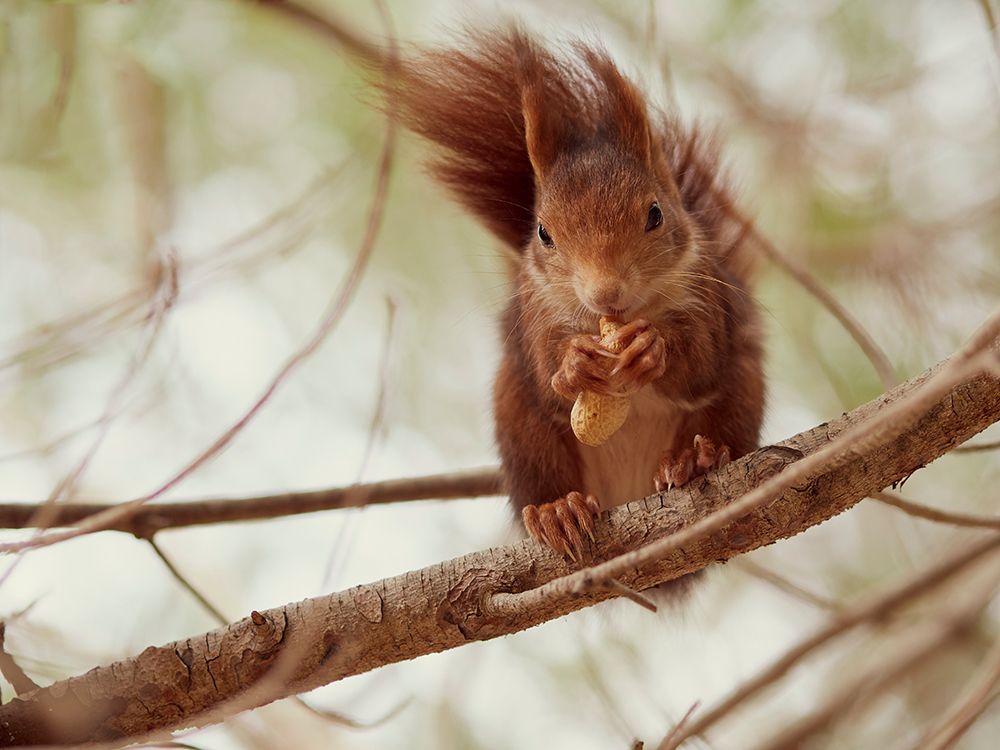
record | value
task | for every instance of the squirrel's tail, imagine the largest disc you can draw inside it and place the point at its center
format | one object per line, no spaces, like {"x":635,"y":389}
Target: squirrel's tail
{"x":468,"y":102}
{"x":707,"y":195}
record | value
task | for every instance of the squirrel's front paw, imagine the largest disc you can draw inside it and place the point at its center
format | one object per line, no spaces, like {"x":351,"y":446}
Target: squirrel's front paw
{"x":558,"y":525}
{"x":643,"y":359}
{"x":586,"y":366}
{"x":677,"y":468}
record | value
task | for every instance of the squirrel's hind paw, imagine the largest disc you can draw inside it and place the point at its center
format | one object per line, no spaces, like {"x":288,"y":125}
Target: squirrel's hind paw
{"x":677,"y":468}
{"x":558,"y":525}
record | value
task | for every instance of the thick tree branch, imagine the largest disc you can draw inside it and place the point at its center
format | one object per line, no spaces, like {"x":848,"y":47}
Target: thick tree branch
{"x":306,"y":644}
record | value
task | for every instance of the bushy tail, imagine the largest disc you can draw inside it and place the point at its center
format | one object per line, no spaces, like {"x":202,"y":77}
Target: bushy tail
{"x":468,"y":102}
{"x":707,"y":195}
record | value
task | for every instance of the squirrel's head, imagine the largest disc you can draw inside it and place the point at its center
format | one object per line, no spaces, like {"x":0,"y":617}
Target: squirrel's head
{"x":612,"y":234}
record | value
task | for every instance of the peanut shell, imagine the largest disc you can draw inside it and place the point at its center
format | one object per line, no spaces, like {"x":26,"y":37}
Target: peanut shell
{"x":595,"y":416}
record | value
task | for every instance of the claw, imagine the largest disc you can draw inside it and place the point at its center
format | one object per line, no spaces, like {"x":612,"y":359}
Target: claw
{"x":643,"y":359}
{"x":677,"y":469}
{"x":570,"y":531}
{"x":584,"y":509}
{"x":558,"y":524}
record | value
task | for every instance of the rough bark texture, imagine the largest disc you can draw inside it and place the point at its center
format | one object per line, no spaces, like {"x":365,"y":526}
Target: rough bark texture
{"x":317,"y":641}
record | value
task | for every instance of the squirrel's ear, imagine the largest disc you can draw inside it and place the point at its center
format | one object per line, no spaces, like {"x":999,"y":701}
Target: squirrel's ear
{"x":632,"y":121}
{"x":540,"y":130}
{"x":625,"y":107}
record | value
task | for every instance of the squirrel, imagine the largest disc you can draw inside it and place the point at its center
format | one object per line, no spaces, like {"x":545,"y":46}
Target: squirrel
{"x":610,"y":207}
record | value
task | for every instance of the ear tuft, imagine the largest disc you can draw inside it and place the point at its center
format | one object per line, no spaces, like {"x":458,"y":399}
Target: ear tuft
{"x":543,"y":106}
{"x":624,"y":107}
{"x":541,"y":132}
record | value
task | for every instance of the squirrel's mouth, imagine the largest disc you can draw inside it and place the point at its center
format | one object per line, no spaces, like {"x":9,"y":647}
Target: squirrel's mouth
{"x":615,"y":313}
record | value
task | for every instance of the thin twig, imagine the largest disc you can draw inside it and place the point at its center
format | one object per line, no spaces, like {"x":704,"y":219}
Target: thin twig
{"x":333,"y":29}
{"x":376,"y":427}
{"x":875,"y":354}
{"x":160,"y":306}
{"x":966,"y":520}
{"x":993,"y":30}
{"x":868,"y":610}
{"x":341,"y":548}
{"x":183,"y":581}
{"x":331,"y":317}
{"x":631,"y":594}
{"x":928,"y":641}
{"x":61,"y":339}
{"x":682,"y":724}
{"x":978,"y":448}
{"x":781,"y":583}
{"x":968,"y":706}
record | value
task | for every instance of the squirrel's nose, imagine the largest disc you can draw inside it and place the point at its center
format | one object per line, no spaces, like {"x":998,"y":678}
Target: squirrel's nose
{"x":607,"y":298}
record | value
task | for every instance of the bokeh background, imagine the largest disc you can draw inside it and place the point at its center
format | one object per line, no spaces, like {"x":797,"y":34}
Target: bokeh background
{"x":236,"y":146}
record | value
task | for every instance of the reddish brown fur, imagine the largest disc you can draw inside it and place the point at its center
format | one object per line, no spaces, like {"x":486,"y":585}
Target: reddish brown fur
{"x":524,"y":136}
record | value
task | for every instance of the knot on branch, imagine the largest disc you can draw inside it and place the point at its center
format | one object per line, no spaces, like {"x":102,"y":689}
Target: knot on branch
{"x":467,"y":604}
{"x":770,"y":460}
{"x":261,"y":631}
{"x":368,"y":602}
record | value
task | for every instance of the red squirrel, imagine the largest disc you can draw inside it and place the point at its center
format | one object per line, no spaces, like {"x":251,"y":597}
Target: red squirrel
{"x":611,"y":208}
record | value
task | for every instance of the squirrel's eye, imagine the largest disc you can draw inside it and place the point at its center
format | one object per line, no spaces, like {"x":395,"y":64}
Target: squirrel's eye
{"x":545,"y":237}
{"x":655,"y":217}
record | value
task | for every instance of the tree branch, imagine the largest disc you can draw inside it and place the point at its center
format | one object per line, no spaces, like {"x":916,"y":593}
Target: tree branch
{"x":923,"y":642}
{"x":146,"y":520}
{"x":868,"y":610}
{"x":301,"y":646}
{"x":968,"y":706}
{"x":965,"y":520}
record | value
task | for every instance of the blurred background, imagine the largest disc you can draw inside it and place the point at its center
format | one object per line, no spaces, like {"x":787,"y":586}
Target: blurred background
{"x":184,"y":187}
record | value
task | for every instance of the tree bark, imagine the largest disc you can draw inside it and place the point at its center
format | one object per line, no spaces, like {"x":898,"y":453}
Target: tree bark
{"x":300,"y":646}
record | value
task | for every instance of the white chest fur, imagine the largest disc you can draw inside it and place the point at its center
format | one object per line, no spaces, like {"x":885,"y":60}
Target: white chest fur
{"x":622,"y":469}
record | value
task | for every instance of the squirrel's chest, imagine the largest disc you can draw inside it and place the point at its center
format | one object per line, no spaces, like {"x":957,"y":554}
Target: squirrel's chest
{"x":622,"y":469}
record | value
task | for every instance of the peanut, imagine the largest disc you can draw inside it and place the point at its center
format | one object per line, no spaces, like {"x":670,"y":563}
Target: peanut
{"x":596,"y":416}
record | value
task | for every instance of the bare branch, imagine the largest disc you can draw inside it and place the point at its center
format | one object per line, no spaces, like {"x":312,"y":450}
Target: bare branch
{"x":150,"y":519}
{"x":221,"y":619}
{"x":868,"y":610}
{"x":921,"y":643}
{"x":781,"y":583}
{"x":978,"y":448}
{"x":330,"y":28}
{"x":335,"y":310}
{"x":209,"y":677}
{"x":874,"y":353}
{"x":967,"y":520}
{"x":968,"y":706}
